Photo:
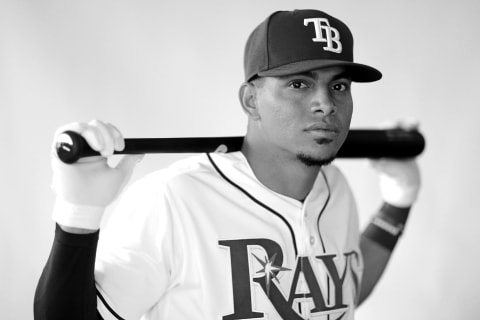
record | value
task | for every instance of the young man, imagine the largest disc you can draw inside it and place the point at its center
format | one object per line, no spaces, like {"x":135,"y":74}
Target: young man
{"x":270,"y":232}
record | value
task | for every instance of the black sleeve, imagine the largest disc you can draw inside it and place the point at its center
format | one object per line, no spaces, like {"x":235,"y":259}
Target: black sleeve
{"x":66,"y":289}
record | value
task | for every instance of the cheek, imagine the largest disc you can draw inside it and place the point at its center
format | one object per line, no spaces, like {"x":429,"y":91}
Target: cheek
{"x":276,"y":111}
{"x":277,"y":121}
{"x":345,"y":110}
{"x":283,"y":115}
{"x":348,"y":114}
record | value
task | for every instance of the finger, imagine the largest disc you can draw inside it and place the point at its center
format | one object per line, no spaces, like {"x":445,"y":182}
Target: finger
{"x":393,"y":167}
{"x":119,"y":142}
{"x":106,"y":136}
{"x":409,"y":124}
{"x":377,"y":164}
{"x":384,"y":125}
{"x":93,"y":137}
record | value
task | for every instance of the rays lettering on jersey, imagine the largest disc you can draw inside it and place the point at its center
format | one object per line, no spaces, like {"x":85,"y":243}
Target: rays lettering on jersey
{"x":305,"y":289}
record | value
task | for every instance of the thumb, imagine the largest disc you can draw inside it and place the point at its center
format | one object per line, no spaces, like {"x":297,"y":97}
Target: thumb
{"x":127,"y":164}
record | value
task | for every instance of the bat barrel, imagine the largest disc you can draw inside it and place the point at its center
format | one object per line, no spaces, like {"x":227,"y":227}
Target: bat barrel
{"x":390,"y":143}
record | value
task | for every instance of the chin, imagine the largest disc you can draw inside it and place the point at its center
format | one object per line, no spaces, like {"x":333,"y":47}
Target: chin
{"x":315,"y":161}
{"x":318,"y":155}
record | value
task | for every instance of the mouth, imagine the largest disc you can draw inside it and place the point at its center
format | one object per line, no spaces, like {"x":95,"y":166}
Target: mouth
{"x":322,"y":133}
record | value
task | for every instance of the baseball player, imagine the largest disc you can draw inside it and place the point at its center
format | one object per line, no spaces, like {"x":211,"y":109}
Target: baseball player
{"x":268,"y":232}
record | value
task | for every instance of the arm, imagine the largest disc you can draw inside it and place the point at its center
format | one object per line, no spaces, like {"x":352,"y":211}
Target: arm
{"x":399,"y":185}
{"x":66,"y":288}
{"x":377,"y":243}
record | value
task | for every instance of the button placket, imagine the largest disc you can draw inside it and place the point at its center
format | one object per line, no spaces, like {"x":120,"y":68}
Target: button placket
{"x":311,"y":231}
{"x":308,"y":229}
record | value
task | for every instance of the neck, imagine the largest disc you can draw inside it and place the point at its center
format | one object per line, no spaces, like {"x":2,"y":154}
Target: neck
{"x":287,"y":176}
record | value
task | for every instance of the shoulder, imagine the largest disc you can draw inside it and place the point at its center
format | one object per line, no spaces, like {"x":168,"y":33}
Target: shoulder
{"x":190,"y":170}
{"x":180,"y":170}
{"x":150,"y":196}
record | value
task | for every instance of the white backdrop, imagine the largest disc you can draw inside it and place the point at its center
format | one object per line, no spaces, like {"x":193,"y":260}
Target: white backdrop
{"x":172,"y":68}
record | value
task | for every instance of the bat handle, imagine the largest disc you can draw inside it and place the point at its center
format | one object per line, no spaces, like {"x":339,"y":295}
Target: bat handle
{"x":71,"y":146}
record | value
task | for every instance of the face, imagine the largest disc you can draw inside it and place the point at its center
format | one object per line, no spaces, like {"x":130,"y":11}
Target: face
{"x":304,"y":116}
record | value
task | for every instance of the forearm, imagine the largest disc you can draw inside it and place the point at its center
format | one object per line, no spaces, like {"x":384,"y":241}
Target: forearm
{"x":375,"y":258}
{"x":66,"y":289}
{"x":377,"y":244}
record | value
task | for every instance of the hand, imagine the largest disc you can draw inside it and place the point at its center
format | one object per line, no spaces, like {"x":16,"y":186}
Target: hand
{"x":91,"y":182}
{"x":399,"y":179}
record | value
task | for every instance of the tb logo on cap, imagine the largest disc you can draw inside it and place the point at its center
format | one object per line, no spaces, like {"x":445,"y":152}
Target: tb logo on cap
{"x":325,"y":33}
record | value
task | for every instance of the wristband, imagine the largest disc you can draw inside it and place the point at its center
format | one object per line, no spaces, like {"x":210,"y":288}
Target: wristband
{"x":387,"y":227}
{"x":393,"y":214}
{"x":77,"y":216}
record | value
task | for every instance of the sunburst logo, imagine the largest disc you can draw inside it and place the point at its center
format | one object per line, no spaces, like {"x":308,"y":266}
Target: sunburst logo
{"x":269,"y":270}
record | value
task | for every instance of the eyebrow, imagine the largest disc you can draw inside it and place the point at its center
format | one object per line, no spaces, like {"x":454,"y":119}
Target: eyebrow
{"x":310,"y":74}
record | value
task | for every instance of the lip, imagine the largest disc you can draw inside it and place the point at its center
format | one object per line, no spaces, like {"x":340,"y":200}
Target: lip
{"x":322,"y":128}
{"x":322,"y":131}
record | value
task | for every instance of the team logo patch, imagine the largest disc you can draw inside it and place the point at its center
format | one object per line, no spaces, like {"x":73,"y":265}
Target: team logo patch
{"x":293,"y":290}
{"x":324,"y":33}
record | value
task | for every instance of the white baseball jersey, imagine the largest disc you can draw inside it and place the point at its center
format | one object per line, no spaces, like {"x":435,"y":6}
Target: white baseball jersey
{"x":205,"y":240}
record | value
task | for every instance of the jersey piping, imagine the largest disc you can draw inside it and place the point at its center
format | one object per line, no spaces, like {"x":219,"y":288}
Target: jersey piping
{"x":294,"y":241}
{"x":323,"y":209}
{"x":112,"y":312}
{"x":320,"y":234}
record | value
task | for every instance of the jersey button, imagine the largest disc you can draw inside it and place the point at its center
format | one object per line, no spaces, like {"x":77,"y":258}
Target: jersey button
{"x":312,"y":240}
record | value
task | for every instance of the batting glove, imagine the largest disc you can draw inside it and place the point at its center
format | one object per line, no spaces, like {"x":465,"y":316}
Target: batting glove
{"x":399,"y":179}
{"x":86,"y":188}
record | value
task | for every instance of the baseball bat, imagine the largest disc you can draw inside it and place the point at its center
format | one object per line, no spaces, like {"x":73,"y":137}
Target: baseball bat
{"x":360,"y":143}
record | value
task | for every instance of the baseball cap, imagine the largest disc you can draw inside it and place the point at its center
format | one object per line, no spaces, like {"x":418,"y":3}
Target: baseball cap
{"x":290,"y":42}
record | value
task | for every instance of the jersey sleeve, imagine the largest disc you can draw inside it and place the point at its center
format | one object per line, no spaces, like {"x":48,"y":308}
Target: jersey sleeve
{"x":133,"y":264}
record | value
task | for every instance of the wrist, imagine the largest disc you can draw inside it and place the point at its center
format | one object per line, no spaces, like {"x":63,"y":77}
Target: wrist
{"x":393,"y":214}
{"x":387,"y":226}
{"x":75,"y":218}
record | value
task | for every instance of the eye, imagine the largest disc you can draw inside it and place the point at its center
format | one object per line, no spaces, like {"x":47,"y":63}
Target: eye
{"x":297,"y":84}
{"x":341,"y":86}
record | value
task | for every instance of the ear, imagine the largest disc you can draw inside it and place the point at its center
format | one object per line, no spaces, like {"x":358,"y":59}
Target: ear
{"x":248,"y":98}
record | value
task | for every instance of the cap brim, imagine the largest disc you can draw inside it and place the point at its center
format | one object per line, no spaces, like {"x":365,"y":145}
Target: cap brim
{"x":359,"y":72}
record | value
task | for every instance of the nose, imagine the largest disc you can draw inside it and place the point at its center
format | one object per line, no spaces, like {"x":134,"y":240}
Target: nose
{"x":323,"y":103}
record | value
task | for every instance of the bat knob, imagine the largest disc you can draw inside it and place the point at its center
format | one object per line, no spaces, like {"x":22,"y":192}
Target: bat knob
{"x":71,"y":146}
